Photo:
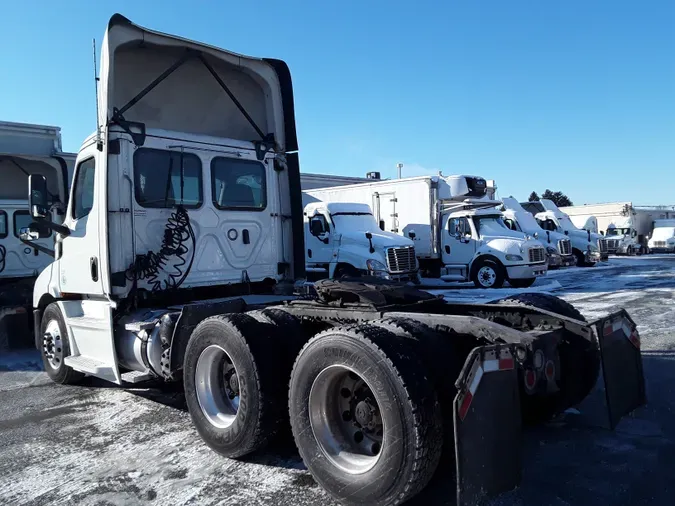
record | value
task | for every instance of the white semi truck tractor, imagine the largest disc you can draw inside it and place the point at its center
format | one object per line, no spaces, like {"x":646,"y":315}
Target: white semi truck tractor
{"x":458,"y":233}
{"x":26,"y":149}
{"x":588,"y":247}
{"x":182,"y":237}
{"x":343,"y":239}
{"x":558,"y":246}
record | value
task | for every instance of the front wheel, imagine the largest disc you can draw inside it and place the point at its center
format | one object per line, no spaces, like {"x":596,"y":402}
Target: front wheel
{"x":522,"y":283}
{"x":581,"y":259}
{"x":488,"y":274}
{"x":56,"y":347}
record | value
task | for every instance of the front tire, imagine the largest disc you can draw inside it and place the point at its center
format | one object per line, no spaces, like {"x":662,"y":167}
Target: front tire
{"x":56,"y":347}
{"x":365,"y":416}
{"x":488,"y":274}
{"x":232,"y":387}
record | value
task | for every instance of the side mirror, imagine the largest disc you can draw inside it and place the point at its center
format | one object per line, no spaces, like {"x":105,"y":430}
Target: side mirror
{"x":536,"y":235}
{"x":37,"y":196}
{"x":411,"y":234}
{"x":27,"y":234}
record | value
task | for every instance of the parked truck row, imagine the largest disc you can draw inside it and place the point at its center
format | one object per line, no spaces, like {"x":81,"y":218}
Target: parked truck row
{"x":179,"y":259}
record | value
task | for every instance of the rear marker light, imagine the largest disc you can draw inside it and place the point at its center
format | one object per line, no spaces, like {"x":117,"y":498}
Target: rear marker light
{"x":550,"y":370}
{"x":530,"y":379}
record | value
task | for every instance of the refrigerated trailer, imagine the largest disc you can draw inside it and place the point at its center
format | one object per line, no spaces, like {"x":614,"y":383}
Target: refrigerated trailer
{"x":625,"y":227}
{"x":26,"y":149}
{"x":458,"y":233}
{"x":177,"y":258}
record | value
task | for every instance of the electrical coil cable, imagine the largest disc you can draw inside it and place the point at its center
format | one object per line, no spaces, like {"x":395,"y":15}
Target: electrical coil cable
{"x":3,"y":254}
{"x":149,"y":266}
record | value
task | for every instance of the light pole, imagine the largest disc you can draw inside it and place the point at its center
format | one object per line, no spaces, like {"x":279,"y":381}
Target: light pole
{"x":399,"y":167}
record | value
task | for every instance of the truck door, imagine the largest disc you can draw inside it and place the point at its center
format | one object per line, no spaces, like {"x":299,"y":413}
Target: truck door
{"x":387,"y":211}
{"x":458,"y":244}
{"x":80,"y":262}
{"x":319,"y":240}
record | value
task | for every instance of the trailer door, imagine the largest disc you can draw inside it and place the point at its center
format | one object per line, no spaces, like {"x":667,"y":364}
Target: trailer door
{"x":387,"y":212}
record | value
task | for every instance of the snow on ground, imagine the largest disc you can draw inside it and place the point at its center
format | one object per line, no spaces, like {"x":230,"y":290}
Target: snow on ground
{"x":99,"y":444}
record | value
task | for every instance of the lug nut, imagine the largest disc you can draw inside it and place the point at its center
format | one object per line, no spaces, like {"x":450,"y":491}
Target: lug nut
{"x":358,"y":436}
{"x":346,"y":416}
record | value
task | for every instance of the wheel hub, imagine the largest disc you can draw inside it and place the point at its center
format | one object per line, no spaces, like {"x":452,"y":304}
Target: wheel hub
{"x":345,"y":418}
{"x":52,"y":344}
{"x":217,"y":386}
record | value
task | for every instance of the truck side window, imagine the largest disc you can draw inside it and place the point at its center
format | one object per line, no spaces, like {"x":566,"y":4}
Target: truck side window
{"x":24,"y":219}
{"x":510,"y":224}
{"x":3,"y":224}
{"x":458,"y":226}
{"x":318,"y":225}
{"x":157,"y":178}
{"x":238,"y":184}
{"x":83,"y":191}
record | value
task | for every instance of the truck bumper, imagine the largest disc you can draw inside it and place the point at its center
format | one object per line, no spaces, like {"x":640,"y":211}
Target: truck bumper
{"x":662,"y":250}
{"x":568,"y":261}
{"x":526,"y":271}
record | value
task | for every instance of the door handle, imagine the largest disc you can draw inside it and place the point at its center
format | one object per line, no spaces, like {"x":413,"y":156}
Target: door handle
{"x":93,"y":265}
{"x":245,"y":237}
{"x":447,"y":249}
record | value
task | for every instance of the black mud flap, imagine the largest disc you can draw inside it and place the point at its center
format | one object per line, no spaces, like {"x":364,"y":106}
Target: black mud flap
{"x":621,"y":365}
{"x":488,"y":424}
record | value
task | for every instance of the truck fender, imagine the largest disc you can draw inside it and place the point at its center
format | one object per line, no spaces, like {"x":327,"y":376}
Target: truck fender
{"x":478,"y":257}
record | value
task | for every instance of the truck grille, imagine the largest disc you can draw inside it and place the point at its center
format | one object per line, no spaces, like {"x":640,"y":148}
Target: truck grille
{"x":537,"y":255}
{"x":659,"y":244}
{"x":602,"y":245}
{"x":564,"y":247}
{"x":401,"y":260}
{"x":612,"y":244}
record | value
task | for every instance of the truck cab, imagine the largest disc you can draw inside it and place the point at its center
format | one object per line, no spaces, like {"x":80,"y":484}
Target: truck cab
{"x":343,"y":239}
{"x":588,"y":247}
{"x":662,"y":239}
{"x":558,"y":246}
{"x":26,"y":149}
{"x":478,"y":246}
{"x":622,"y":238}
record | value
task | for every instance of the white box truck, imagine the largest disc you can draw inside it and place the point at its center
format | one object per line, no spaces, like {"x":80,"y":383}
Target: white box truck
{"x":662,"y":239}
{"x":558,"y":246}
{"x":26,"y":149}
{"x":458,"y":234}
{"x":344,"y":240}
{"x":626,"y":227}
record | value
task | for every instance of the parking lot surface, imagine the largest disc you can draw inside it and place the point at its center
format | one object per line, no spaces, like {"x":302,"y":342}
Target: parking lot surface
{"x":99,"y":444}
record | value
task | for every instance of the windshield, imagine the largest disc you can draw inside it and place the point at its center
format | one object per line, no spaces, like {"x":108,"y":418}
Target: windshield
{"x":547,"y":224}
{"x":489,"y":225}
{"x":362,"y":222}
{"x":618,"y":231}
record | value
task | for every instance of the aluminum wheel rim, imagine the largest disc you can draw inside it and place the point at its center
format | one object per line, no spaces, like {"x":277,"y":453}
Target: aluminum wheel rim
{"x":487,"y":276}
{"x":217,"y":386}
{"x":52,"y":344}
{"x":345,"y":418}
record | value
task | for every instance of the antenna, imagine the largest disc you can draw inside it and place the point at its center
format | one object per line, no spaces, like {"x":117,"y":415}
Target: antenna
{"x":99,"y":142}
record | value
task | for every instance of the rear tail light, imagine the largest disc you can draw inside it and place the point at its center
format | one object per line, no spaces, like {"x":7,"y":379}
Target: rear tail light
{"x":530,"y":379}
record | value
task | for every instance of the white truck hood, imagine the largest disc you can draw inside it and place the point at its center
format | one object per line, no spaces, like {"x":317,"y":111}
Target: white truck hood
{"x":381,"y":240}
{"x":132,"y":57}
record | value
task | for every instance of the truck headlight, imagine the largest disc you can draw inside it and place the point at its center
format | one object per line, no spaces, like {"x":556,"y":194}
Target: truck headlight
{"x":375,"y":265}
{"x":514,"y":258}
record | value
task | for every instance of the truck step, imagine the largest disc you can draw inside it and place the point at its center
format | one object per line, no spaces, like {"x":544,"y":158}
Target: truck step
{"x":86,"y":365}
{"x":136,"y":377}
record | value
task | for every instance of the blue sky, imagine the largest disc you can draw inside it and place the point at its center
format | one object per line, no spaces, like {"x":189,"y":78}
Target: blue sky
{"x":570,"y":95}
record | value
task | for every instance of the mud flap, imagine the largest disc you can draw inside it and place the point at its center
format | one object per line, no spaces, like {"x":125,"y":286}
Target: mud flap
{"x":621,"y":365}
{"x":487,"y":423}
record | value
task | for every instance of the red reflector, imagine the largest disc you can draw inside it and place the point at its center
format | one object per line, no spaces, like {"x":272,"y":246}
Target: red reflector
{"x":20,"y":310}
{"x":635,"y":339}
{"x":505,"y":363}
{"x":530,"y":379}
{"x":608,"y":328}
{"x":464,"y":407}
{"x":550,"y":370}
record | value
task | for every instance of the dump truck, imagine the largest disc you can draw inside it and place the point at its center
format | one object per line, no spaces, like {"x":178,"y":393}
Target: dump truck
{"x":181,"y":259}
{"x":26,"y":149}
